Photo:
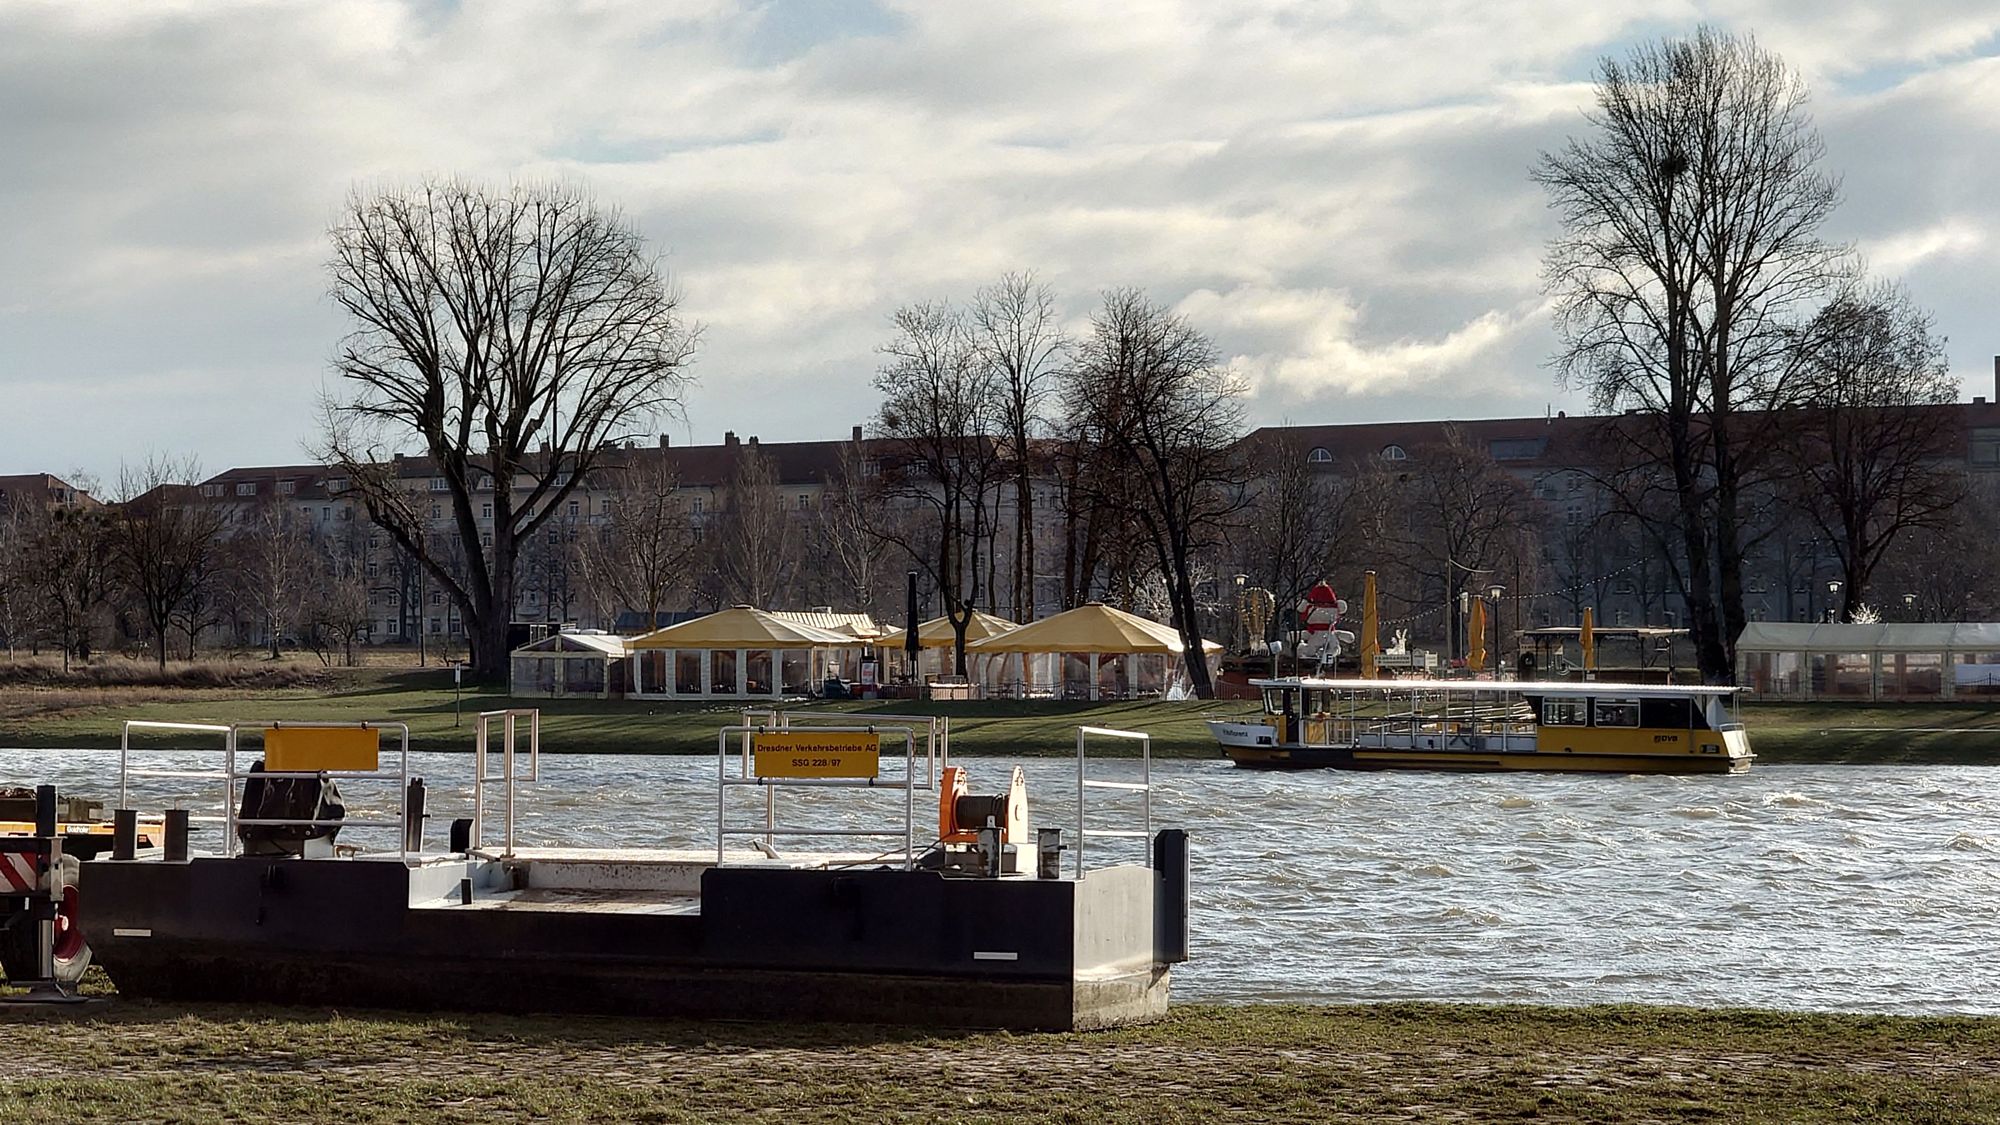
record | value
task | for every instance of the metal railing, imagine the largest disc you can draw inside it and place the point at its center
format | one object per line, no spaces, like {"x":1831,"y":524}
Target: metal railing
{"x":1143,"y":787}
{"x":771,"y":829}
{"x":229,"y":775}
{"x":481,"y":735}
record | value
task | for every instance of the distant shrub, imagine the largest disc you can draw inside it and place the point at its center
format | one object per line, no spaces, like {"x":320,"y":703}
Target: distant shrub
{"x":119,"y":671}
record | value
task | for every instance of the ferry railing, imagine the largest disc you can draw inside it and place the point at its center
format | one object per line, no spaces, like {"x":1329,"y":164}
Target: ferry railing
{"x":401,"y":775}
{"x":937,"y":732}
{"x":126,"y":772}
{"x":481,"y":737}
{"x":771,"y":830}
{"x":1143,"y":787}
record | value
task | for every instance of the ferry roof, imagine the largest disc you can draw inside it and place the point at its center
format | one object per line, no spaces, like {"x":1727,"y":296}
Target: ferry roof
{"x":1506,"y":687}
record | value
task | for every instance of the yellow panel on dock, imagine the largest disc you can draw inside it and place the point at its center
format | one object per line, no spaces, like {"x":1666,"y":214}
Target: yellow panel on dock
{"x":322,"y":748}
{"x":817,"y":754}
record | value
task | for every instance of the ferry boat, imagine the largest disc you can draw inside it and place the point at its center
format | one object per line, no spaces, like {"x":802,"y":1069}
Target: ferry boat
{"x":1490,"y":725}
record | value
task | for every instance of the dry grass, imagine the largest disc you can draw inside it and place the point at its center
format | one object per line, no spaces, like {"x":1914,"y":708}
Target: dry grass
{"x":135,"y":1061}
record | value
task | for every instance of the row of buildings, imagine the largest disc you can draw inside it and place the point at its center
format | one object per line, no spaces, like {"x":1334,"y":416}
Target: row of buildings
{"x":804,"y":482}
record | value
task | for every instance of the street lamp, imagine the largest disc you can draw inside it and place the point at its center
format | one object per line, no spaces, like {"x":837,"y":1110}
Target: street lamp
{"x":1909,"y":607}
{"x":1833,"y":599}
{"x":1493,"y":593}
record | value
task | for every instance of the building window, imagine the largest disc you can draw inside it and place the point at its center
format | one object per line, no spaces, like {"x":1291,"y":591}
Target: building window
{"x":326,"y":515}
{"x":486,"y":511}
{"x":555,"y":535}
{"x":1986,"y":445}
{"x":436,"y":511}
{"x":575,"y":509}
{"x":206,"y":490}
{"x":247,"y":488}
{"x":1394,"y":453}
{"x":436,"y":625}
{"x":438,"y":598}
{"x":697,"y":505}
{"x":486,"y":539}
{"x":374,"y":541}
{"x":805,"y":502}
{"x":437,"y":484}
{"x":1319,"y":456}
{"x":604,"y":506}
{"x":373,"y":570}
{"x":287,"y":487}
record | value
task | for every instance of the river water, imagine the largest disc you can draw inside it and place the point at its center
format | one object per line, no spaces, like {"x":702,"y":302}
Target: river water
{"x":1808,"y":887}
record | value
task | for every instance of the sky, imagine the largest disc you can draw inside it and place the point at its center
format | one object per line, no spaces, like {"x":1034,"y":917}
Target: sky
{"x":1336,"y":192}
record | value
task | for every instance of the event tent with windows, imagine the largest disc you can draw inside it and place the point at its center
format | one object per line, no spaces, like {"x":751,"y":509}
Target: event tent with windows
{"x":568,"y":666}
{"x":1908,"y":661}
{"x":1096,"y":652}
{"x":736,"y":653}
{"x":935,"y":644}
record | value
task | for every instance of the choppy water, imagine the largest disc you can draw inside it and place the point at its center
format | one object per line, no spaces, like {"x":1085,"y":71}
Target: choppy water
{"x":1815,"y":887}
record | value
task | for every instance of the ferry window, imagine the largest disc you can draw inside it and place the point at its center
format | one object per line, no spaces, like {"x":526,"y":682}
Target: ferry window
{"x":1274,"y":701}
{"x":1563,"y":713}
{"x":1615,"y":713}
{"x":1668,"y":714}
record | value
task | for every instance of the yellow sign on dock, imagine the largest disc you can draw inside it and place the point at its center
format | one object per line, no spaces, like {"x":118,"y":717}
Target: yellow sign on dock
{"x":322,"y":748}
{"x":817,"y":754}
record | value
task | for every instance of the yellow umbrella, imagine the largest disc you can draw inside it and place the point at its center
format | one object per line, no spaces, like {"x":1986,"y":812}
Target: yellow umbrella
{"x":937,"y":632}
{"x":741,"y":627}
{"x":1371,"y":646}
{"x":1588,"y":639}
{"x":1475,"y":646}
{"x":1088,"y":628}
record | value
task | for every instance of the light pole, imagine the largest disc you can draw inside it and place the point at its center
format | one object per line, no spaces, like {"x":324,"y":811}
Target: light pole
{"x":1493,"y":593}
{"x":1909,"y":607}
{"x":1833,"y":599}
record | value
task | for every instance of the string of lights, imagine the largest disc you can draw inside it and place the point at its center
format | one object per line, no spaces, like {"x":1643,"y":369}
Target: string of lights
{"x":1566,"y":591}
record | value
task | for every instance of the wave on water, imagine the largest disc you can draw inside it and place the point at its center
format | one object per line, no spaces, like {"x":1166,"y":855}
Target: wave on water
{"x":1695,"y":812}
{"x":1516,"y":803}
{"x":1966,"y":842}
{"x":1790,"y":800}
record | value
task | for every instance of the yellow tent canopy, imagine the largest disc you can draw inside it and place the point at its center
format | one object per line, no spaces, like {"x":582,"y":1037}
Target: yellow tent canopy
{"x":937,"y":632}
{"x":1088,"y":628}
{"x":741,"y":627}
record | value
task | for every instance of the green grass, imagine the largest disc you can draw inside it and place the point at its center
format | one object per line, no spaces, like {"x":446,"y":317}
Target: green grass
{"x":131,"y":1061}
{"x":31,"y":717}
{"x":424,"y":699}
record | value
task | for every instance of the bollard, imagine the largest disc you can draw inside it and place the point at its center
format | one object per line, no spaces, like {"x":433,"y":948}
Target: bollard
{"x":1048,"y":853}
{"x":124,"y":833}
{"x":413,"y":816}
{"x":174,"y":849}
{"x":45,"y":810}
{"x":1171,"y":895}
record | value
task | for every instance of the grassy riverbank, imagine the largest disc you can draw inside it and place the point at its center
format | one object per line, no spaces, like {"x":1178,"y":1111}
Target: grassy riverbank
{"x":34,"y":715}
{"x":134,"y":1061}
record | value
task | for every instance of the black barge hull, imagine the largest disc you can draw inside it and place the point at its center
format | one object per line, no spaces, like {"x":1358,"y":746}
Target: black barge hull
{"x":769,"y":943}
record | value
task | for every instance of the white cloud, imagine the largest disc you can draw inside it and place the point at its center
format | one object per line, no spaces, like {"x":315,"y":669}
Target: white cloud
{"x":1337,"y":192}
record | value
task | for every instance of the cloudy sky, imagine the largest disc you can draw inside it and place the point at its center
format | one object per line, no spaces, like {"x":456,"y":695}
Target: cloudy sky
{"x":1337,"y":192}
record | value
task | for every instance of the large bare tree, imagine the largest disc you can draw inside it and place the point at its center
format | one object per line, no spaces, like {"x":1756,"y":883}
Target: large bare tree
{"x":646,"y":543}
{"x":1151,"y":394}
{"x":1690,"y":249}
{"x":276,"y":562}
{"x":940,"y":408}
{"x":1021,"y":336}
{"x":757,"y":558}
{"x":163,"y":542}
{"x":512,"y":336}
{"x":1868,"y":447}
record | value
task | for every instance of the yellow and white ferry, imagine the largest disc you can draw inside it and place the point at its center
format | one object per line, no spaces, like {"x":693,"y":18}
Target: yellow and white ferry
{"x":1490,"y":725}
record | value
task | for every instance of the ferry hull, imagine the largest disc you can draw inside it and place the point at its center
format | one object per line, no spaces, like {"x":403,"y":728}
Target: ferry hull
{"x":1344,"y":758}
{"x":874,"y":946}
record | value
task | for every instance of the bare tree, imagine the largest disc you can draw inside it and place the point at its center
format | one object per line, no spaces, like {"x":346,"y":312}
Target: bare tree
{"x":1150,"y":391}
{"x":757,"y":558}
{"x":275,"y":564}
{"x":1020,"y":335}
{"x":1690,"y":247}
{"x":850,"y":510}
{"x":66,"y":558}
{"x":1457,"y":521}
{"x":1298,"y":514}
{"x":940,"y":407}
{"x":163,"y":541}
{"x":646,"y":544}
{"x":1867,"y":446}
{"x":514,"y":337}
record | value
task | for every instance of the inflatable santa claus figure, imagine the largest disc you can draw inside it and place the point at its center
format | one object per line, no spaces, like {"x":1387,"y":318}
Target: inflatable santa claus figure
{"x":1322,"y":638}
